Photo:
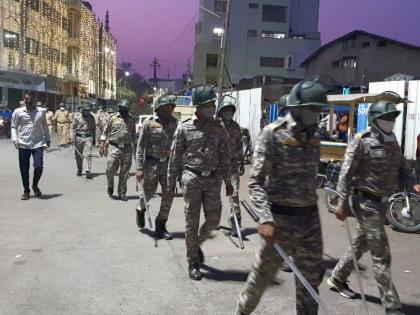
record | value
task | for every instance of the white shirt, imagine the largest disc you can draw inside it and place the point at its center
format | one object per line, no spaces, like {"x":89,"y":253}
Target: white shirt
{"x":30,"y":129}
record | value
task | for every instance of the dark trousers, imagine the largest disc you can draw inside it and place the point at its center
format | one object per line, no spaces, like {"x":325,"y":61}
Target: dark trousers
{"x":24,"y":164}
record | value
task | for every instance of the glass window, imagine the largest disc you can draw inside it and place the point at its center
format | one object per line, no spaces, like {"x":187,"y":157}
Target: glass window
{"x":11,"y":39}
{"x":220,"y":6}
{"x":349,"y":62}
{"x":274,"y":13}
{"x":272,"y":62}
{"x":274,"y":35}
{"x":365,"y":44}
{"x":253,"y":5}
{"x":33,"y":4}
{"x":252,"y":33}
{"x":212,"y":60}
{"x":32,"y":46}
{"x":335,"y":63}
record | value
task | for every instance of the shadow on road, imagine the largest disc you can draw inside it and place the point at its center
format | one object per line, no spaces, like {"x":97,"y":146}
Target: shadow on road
{"x":93,"y":175}
{"x":223,"y":275}
{"x":49,"y":196}
{"x":409,"y":309}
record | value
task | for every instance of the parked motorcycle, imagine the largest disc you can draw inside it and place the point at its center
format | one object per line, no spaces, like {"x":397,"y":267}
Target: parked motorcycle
{"x":404,"y":211}
{"x":4,"y":128}
{"x":246,"y":145}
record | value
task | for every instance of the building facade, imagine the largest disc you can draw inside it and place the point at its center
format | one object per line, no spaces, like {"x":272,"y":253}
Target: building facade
{"x":52,"y":47}
{"x":266,"y":38}
{"x":358,"y":58}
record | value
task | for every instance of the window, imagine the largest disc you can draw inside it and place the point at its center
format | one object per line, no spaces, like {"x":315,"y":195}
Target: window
{"x":382,"y":43}
{"x":64,"y":23}
{"x":349,"y":62}
{"x":274,"y":35}
{"x":11,"y":40}
{"x":32,"y":65}
{"x":11,"y":61}
{"x":289,"y":62}
{"x":335,"y":63}
{"x":273,"y":13}
{"x":46,"y":9}
{"x":212,"y":60}
{"x":253,"y":5}
{"x":350,"y":43}
{"x":31,"y":46}
{"x":365,"y":44}
{"x":252,"y":33}
{"x":272,"y":62}
{"x":220,"y":6}
{"x":33,"y":4}
{"x":300,"y":36}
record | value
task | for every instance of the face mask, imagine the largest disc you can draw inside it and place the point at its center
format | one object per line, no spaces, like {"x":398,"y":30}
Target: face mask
{"x":386,"y":125}
{"x":208,"y":112}
{"x":29,"y":103}
{"x":164,"y":115}
{"x":85,"y":113}
{"x":124,"y":113}
{"x":305,"y":116}
{"x":62,"y":108}
{"x":228,"y":115}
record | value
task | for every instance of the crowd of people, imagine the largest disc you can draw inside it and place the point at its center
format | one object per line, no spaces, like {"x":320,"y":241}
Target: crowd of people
{"x":206,"y":150}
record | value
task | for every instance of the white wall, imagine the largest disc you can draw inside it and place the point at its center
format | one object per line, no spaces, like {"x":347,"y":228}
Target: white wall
{"x":413,"y":120}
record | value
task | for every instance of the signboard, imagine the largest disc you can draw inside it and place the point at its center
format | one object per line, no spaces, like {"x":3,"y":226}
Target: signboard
{"x":362,"y":117}
{"x":20,"y":81}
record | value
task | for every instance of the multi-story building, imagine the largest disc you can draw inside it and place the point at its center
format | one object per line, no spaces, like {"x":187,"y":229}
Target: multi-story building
{"x":266,"y":38}
{"x":52,"y":47}
{"x":359,"y":57}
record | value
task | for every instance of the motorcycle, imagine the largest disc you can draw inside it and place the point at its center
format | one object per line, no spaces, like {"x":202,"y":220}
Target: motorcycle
{"x":404,"y":211}
{"x":328,"y":177}
{"x":246,"y":145}
{"x":4,"y":128}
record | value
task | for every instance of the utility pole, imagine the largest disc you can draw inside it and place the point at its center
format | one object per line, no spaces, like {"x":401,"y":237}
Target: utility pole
{"x":223,"y":50}
{"x":155,"y":64}
{"x":189,"y":72}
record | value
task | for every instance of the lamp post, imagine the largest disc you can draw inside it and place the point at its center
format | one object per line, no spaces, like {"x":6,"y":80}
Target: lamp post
{"x":126,"y":75}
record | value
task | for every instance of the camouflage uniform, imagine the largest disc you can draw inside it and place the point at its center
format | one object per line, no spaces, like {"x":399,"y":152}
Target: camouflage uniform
{"x":50,"y":117}
{"x":71,"y":135}
{"x":62,"y":119}
{"x":372,"y":166}
{"x":84,"y":131}
{"x":234,"y":137}
{"x":153,"y":150}
{"x":289,"y":201}
{"x":120,"y":133}
{"x":97,"y":116}
{"x":199,"y":154}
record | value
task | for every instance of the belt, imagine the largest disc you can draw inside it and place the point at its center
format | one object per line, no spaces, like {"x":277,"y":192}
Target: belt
{"x":119,"y":144}
{"x":369,"y":195}
{"x":82,"y":135}
{"x":205,"y":174}
{"x":293,"y":211}
{"x":155,"y":159}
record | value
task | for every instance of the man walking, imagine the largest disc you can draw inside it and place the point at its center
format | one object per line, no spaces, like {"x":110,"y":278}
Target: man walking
{"x":282,"y":186}
{"x":118,"y":138}
{"x":29,"y":135}
{"x":200,"y":155}
{"x":84,"y":131}
{"x":372,"y":167}
{"x":61,"y":118}
{"x":153,"y":150}
{"x":226,"y":111}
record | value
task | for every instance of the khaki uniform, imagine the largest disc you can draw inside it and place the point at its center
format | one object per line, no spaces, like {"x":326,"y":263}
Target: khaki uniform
{"x":120,"y":133}
{"x":199,"y":154}
{"x":153,"y":150}
{"x":50,"y":116}
{"x":84,"y":131}
{"x":372,"y":167}
{"x":282,"y":186}
{"x":62,"y":119}
{"x":235,"y":148}
{"x":71,"y":135}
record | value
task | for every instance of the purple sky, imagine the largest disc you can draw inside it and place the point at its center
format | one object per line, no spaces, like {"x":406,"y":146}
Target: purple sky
{"x":165,"y":28}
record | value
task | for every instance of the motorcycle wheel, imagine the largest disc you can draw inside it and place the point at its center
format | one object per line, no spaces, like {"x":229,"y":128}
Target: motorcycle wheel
{"x":398,"y":221}
{"x":331,"y":201}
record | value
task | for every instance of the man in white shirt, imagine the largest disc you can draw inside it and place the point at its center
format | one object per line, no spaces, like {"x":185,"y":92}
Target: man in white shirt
{"x":30,"y":135}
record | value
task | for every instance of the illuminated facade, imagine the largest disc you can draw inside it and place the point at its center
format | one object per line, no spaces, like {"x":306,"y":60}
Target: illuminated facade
{"x":56,"y":48}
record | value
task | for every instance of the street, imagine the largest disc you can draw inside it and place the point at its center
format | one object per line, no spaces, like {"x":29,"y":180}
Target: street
{"x":75,"y":251}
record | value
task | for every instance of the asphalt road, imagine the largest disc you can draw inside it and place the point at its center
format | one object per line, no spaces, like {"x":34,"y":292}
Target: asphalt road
{"x":75,"y":251}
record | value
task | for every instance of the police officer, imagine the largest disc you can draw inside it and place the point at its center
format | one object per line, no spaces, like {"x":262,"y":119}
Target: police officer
{"x":226,"y":110}
{"x":84,"y":132}
{"x":117,"y":141}
{"x":61,"y":118}
{"x":287,"y":156}
{"x":372,"y":166}
{"x":70,"y":134}
{"x":153,"y":150}
{"x":49,"y":115}
{"x":198,"y":154}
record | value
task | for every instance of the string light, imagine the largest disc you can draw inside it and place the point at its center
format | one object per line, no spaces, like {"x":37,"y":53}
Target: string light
{"x":43,"y":46}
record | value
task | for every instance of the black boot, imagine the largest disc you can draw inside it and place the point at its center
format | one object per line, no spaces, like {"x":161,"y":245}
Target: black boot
{"x":201,"y":255}
{"x":140,"y":218}
{"x":88,"y":175}
{"x":161,"y":231}
{"x":194,"y":272}
{"x":110,"y":191}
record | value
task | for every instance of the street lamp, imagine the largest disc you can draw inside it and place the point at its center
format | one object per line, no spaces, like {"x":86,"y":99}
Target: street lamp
{"x":126,"y":75}
{"x":219,"y":31}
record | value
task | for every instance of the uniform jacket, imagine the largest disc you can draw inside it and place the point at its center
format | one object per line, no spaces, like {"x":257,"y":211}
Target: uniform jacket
{"x":84,"y":126}
{"x":120,"y":130}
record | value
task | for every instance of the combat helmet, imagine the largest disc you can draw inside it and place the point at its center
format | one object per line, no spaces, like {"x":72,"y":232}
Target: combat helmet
{"x":226,"y":101}
{"x":203,"y":95}
{"x":382,"y":108}
{"x":167,"y":99}
{"x":307,"y":93}
{"x":124,"y":103}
